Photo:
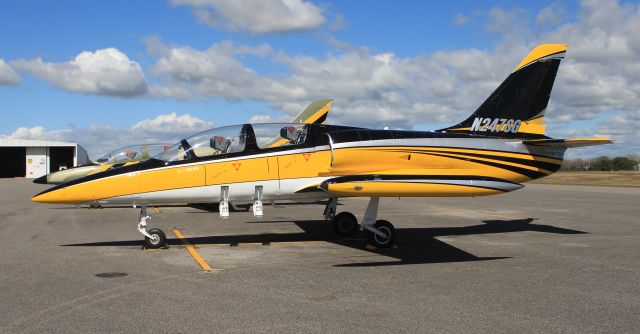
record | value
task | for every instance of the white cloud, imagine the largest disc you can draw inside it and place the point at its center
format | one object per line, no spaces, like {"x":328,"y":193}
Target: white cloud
{"x":216,"y":72}
{"x":8,"y":76}
{"x":386,"y":85}
{"x":103,"y":72}
{"x":172,"y":124}
{"x":260,"y":119}
{"x":36,"y":133}
{"x":257,"y":16}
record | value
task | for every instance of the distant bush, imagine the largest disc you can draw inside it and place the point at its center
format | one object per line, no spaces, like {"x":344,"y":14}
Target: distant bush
{"x":602,"y":163}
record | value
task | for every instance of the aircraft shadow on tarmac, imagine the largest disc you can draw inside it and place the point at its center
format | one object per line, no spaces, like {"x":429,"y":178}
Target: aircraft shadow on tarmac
{"x":414,"y":245}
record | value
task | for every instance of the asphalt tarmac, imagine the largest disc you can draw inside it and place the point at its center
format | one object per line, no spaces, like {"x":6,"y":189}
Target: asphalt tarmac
{"x":542,"y":259}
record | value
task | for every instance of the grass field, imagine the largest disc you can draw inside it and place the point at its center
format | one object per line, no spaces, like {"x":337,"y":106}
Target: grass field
{"x":612,"y":179}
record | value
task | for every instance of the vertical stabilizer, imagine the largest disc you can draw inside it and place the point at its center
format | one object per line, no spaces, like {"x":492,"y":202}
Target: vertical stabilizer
{"x":516,"y":108}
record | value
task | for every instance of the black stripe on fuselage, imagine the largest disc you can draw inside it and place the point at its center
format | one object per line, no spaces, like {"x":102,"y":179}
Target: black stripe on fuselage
{"x":533,"y":163}
{"x":548,"y":166}
{"x":523,"y":171}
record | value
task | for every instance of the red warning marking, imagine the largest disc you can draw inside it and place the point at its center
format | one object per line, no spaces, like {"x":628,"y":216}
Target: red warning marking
{"x":306,"y":156}
{"x":237,"y":166}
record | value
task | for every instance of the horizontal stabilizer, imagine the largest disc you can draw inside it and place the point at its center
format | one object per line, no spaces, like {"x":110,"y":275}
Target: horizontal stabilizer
{"x":573,"y":142}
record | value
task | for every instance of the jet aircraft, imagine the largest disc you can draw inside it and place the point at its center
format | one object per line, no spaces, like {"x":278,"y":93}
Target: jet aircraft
{"x":500,"y":146}
{"x":315,"y":112}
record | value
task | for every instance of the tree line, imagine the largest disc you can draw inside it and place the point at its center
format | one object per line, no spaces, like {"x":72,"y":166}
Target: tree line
{"x":603,"y":163}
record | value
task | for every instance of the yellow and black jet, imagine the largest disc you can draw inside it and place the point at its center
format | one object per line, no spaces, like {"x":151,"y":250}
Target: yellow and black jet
{"x":500,"y":146}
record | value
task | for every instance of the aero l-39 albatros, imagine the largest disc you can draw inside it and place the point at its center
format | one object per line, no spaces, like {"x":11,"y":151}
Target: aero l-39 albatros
{"x":501,"y":145}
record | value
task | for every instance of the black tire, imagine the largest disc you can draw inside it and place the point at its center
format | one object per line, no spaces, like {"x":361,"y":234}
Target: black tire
{"x":345,"y":224}
{"x":159,"y":240}
{"x":386,"y":228}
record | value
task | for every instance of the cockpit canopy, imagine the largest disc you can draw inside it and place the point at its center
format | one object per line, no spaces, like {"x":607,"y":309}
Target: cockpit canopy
{"x":132,"y":153}
{"x":236,"y":139}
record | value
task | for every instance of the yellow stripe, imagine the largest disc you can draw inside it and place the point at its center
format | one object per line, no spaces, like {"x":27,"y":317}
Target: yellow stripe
{"x":541,"y":51}
{"x":192,"y":250}
{"x":317,"y":115}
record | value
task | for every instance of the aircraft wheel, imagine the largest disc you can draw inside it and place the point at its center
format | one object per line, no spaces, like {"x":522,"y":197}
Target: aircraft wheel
{"x":386,"y":228}
{"x":345,"y":224}
{"x":157,"y":240}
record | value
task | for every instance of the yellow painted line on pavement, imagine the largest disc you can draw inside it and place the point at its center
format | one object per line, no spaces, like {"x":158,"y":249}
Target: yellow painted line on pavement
{"x":156,"y":210}
{"x":192,"y":250}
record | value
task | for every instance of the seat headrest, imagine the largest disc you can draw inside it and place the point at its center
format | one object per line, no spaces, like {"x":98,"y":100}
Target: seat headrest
{"x":220,"y":143}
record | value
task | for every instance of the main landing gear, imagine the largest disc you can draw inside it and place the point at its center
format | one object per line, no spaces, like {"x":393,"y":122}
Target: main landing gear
{"x":380,"y":233}
{"x":153,"y":238}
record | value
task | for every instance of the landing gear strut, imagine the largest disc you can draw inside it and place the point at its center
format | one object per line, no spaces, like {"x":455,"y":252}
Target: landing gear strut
{"x":153,"y":238}
{"x":345,"y":223}
{"x":380,"y":233}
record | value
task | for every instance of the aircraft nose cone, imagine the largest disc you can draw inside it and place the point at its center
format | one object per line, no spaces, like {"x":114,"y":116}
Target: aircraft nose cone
{"x":40,"y":198}
{"x":54,"y":196}
{"x":41,"y":180}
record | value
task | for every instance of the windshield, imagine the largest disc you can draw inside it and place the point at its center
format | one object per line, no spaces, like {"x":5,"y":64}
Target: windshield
{"x":132,"y":153}
{"x":224,"y":140}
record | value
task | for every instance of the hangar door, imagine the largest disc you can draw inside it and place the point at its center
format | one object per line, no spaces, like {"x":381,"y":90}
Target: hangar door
{"x":61,"y":157}
{"x":13,"y":161}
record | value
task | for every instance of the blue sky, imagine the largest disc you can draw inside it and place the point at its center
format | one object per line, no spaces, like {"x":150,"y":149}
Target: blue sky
{"x":420,"y":54}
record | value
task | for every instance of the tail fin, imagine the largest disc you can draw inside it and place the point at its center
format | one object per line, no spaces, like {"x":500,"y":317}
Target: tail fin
{"x":314,"y":113}
{"x":516,"y":108}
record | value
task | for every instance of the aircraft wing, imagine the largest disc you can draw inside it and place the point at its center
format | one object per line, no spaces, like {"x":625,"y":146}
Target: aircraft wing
{"x":573,"y":142}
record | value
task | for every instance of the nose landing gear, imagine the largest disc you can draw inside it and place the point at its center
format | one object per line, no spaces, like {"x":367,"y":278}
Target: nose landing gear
{"x":153,"y":238}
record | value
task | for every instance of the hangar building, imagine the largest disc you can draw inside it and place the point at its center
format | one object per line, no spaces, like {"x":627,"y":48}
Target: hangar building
{"x":35,"y":158}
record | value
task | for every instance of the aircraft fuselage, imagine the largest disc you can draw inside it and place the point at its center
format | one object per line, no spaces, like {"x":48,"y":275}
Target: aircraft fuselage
{"x":332,"y":162}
